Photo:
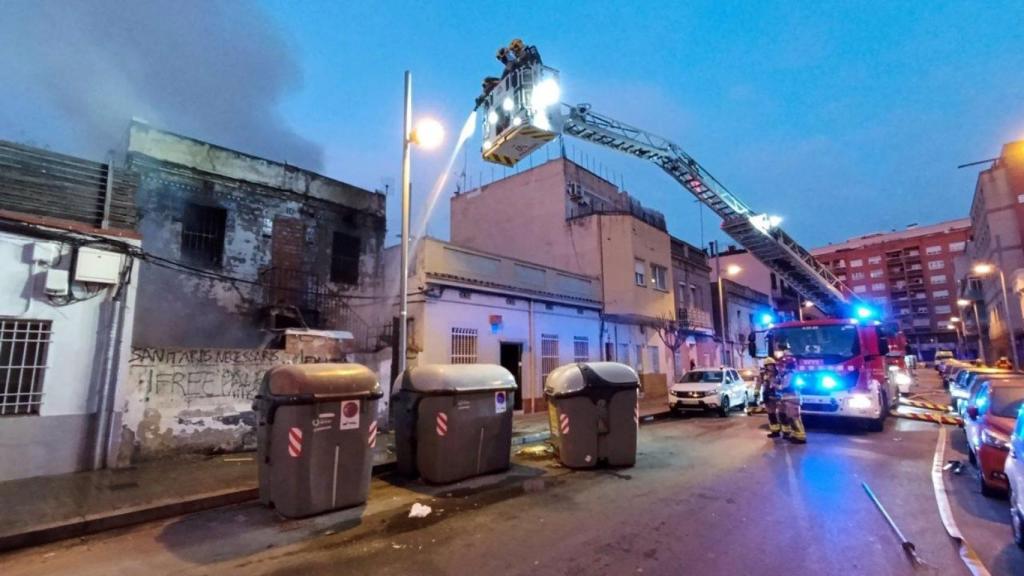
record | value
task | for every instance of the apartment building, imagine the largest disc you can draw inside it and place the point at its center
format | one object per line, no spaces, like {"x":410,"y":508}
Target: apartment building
{"x":563,"y":216}
{"x":694,"y":336}
{"x":997,"y":222}
{"x":909,"y":275}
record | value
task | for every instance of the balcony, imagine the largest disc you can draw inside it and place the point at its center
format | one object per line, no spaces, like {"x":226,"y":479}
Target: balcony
{"x":301,"y":299}
{"x":692,"y":318}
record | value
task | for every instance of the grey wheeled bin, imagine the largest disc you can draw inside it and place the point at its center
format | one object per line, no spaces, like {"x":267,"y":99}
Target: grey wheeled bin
{"x":453,"y":421}
{"x":316,"y":430}
{"x":593,"y":413}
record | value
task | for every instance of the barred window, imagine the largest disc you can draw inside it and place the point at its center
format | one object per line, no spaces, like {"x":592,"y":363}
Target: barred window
{"x":581,"y":349}
{"x":463,"y":346}
{"x":202,"y":234}
{"x":655,"y":360}
{"x":23,"y":350}
{"x":622,"y":354}
{"x":548,"y":355}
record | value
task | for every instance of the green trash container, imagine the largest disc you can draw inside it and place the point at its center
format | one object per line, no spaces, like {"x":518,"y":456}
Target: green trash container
{"x":593,"y":413}
{"x":453,"y":421}
{"x":316,"y":432}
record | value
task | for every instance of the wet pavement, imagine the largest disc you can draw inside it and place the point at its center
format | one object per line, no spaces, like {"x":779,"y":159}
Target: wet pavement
{"x":708,"y":496}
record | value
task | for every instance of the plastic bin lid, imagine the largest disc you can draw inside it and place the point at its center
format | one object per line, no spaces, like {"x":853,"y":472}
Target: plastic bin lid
{"x":442,"y":378}
{"x":323,"y":380}
{"x":570,"y":379}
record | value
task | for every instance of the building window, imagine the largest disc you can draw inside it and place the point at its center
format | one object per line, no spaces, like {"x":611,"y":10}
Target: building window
{"x":581,"y":349}
{"x":940,"y":294}
{"x":932,"y":250}
{"x":774,"y":280}
{"x":202,"y":234}
{"x":681,"y":295}
{"x":943,"y":309}
{"x":877,"y":273}
{"x":655,"y":359}
{"x":659,"y":276}
{"x":878,"y":286}
{"x":548,"y":355}
{"x":639,"y":357}
{"x":875,"y":260}
{"x":638,"y":272}
{"x":860,"y":289}
{"x":622,"y":354}
{"x":857,"y":276}
{"x":957,"y":246}
{"x":23,"y":352}
{"x":856,"y":263}
{"x":881,"y":300}
{"x":939,"y":279}
{"x":345,"y":251}
{"x":936,"y":265}
{"x":463,"y":346}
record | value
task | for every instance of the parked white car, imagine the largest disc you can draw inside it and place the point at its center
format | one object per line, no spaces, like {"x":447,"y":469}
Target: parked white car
{"x":1014,"y":470}
{"x":718,"y":389}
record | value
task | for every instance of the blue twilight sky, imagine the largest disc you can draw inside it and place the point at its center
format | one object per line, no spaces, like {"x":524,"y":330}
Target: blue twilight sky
{"x":843,"y":117}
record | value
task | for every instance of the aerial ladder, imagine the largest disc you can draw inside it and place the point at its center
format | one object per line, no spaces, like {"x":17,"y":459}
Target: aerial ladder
{"x":522,"y":112}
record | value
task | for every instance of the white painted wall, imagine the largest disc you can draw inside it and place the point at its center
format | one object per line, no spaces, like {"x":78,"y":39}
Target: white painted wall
{"x":58,"y":440}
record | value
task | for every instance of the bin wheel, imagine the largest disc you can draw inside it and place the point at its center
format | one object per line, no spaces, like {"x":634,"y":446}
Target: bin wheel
{"x":1018,"y":526}
{"x":723,"y":408}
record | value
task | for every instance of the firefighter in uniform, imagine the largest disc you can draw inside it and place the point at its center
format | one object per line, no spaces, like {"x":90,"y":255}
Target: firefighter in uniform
{"x":770,"y":396}
{"x":792,"y":424}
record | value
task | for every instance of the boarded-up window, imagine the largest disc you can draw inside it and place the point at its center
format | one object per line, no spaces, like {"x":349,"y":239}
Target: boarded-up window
{"x":548,"y":355}
{"x":345,"y":258}
{"x":463,"y":346}
{"x":202,"y":234}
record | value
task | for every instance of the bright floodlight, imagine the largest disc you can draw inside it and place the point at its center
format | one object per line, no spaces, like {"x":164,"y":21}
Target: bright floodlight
{"x":517,"y":121}
{"x":963,"y":302}
{"x":507,"y":104}
{"x":950,"y":327}
{"x":774,"y":221}
{"x":429,"y":133}
{"x":983,"y":268}
{"x":808,"y":303}
{"x":492,"y":117}
{"x":546,"y":94}
{"x":733,"y":269}
{"x":954,"y":318}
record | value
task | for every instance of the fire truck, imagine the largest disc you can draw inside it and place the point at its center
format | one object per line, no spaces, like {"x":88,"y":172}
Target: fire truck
{"x":848,"y":365}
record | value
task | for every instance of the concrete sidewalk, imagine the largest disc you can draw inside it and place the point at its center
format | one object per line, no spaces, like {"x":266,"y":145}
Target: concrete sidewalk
{"x":50,"y":508}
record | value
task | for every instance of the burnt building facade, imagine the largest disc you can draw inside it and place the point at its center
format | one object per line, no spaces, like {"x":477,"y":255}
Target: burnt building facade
{"x":243,"y":247}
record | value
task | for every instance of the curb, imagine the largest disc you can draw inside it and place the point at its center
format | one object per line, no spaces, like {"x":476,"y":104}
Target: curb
{"x":87,"y":525}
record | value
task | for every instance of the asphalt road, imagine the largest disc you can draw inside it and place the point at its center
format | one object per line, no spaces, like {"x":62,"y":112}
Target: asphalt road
{"x":708,"y":496}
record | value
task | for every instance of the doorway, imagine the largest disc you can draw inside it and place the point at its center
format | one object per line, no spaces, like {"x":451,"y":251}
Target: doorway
{"x":511,"y":354}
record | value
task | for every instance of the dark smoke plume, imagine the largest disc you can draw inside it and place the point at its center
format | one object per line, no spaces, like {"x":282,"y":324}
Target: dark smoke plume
{"x":73,"y":73}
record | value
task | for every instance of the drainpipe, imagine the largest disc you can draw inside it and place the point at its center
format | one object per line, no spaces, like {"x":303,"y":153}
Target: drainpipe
{"x":108,"y":382}
{"x":530,"y":361}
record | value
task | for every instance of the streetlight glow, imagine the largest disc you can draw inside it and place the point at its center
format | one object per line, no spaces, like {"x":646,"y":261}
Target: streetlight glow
{"x":954,"y":319}
{"x":808,"y":303}
{"x":963,"y":302}
{"x":983,"y":268}
{"x":428,"y":133}
{"x":733,"y":269}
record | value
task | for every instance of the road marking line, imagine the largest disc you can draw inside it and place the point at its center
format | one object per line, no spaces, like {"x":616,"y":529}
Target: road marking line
{"x":967,"y":554}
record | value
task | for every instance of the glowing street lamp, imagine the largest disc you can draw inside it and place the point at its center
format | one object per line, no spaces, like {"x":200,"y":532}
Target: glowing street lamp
{"x":429,"y":134}
{"x":963,"y":302}
{"x":733,"y":269}
{"x":984,"y":269}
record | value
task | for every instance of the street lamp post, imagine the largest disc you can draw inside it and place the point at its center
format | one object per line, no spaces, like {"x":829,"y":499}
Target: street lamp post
{"x":985,"y":269}
{"x":428,"y":134}
{"x":731,"y":270}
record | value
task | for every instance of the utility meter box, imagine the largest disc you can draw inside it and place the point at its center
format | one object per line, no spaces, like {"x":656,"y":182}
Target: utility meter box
{"x":100,"y":266}
{"x":520,"y":110}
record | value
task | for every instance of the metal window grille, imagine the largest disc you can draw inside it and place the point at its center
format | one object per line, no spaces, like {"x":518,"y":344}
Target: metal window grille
{"x":464,"y":345}
{"x":548,"y":355}
{"x":655,"y":360}
{"x":345,"y":258}
{"x":202,"y":234}
{"x":581,"y":349}
{"x":23,"y":351}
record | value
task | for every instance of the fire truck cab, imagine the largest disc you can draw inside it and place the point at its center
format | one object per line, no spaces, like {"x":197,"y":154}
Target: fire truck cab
{"x":842,"y":367}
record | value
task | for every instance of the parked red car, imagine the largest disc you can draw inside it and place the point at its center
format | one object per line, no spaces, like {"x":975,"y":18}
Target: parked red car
{"x":991,"y":416}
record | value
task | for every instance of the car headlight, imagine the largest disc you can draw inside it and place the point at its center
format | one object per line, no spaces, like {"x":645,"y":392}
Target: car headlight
{"x":903,"y":379}
{"x":995,"y":440}
{"x":859,"y":402}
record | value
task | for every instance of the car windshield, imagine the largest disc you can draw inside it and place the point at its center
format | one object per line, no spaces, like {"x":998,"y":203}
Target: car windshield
{"x":819,"y":341}
{"x":702,"y":376}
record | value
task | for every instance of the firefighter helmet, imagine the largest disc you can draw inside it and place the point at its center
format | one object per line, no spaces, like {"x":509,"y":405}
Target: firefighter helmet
{"x":516,"y":46}
{"x":502,"y":54}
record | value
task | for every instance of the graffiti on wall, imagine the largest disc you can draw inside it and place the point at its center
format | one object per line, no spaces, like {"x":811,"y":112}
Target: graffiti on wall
{"x":196,"y":375}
